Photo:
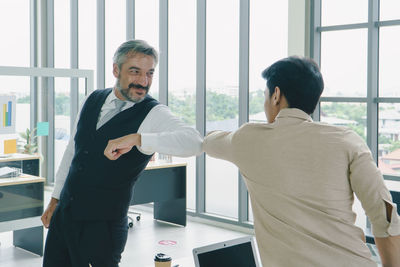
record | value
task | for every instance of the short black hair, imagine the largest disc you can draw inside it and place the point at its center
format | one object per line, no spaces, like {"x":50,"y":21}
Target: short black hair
{"x":299,"y":80}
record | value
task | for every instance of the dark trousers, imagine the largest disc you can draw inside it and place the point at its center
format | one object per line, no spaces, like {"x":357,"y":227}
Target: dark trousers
{"x":80,"y":243}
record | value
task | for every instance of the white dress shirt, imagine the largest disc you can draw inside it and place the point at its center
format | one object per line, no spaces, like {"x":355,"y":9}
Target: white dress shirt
{"x":160,"y":131}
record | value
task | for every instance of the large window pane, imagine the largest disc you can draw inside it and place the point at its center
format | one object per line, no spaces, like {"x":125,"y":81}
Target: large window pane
{"x":115,"y":34}
{"x":87,"y":37}
{"x":62,"y":36}
{"x":344,"y":63}
{"x":222,"y":101}
{"x":343,"y":12}
{"x":15,"y":26}
{"x":182,"y":76}
{"x":389,"y":139}
{"x":147,"y":28}
{"x":389,"y":57}
{"x":389,"y":9}
{"x":61,"y":118}
{"x":351,"y":115}
{"x":263,"y":14}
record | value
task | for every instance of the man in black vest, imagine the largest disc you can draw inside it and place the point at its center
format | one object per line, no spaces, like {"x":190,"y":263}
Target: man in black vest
{"x":87,"y":214}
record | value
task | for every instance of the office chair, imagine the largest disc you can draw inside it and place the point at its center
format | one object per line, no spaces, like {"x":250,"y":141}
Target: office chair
{"x":396,"y":199}
{"x":130,"y":219}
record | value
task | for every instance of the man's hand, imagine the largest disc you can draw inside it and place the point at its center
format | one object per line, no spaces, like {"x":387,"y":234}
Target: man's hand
{"x":117,"y":147}
{"x":48,"y":213}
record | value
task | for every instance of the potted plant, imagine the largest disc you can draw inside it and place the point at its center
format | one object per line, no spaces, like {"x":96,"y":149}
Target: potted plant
{"x":29,"y":144}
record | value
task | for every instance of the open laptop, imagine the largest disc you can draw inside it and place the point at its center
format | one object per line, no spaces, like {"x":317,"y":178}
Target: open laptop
{"x":239,"y":252}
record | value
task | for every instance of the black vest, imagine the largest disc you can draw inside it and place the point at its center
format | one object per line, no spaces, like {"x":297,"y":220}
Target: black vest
{"x":97,"y":188}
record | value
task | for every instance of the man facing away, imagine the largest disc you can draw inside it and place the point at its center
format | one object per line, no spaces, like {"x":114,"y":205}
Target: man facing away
{"x":301,"y":176}
{"x":87,"y":214}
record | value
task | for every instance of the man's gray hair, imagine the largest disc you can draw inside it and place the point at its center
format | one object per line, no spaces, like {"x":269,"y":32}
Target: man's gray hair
{"x":132,"y":47}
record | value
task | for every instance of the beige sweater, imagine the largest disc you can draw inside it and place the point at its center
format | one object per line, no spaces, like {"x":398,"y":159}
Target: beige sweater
{"x":301,"y":176}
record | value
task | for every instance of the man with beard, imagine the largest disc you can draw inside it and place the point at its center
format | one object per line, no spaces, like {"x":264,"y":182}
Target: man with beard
{"x":87,"y":214}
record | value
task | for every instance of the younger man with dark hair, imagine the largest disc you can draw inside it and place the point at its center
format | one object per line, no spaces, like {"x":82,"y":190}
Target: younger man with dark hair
{"x":301,"y":176}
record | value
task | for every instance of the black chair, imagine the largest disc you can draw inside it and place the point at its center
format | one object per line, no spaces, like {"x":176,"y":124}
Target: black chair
{"x":396,"y":199}
{"x":130,"y":219}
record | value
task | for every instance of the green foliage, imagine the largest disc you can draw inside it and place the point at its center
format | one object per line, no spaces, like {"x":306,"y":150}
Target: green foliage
{"x":394,"y":145}
{"x":256,"y":102}
{"x":62,"y":104}
{"x":24,"y":100}
{"x":221,"y":106}
{"x":348,"y":111}
{"x":384,"y":140}
{"x":184,"y":108}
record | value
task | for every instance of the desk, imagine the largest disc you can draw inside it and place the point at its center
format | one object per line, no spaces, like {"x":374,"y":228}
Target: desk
{"x":28,"y":163}
{"x":21,"y":205}
{"x":165,"y":185}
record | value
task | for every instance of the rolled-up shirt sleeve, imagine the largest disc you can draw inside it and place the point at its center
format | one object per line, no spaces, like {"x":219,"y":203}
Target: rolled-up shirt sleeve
{"x":163,"y":132}
{"x":368,"y":185}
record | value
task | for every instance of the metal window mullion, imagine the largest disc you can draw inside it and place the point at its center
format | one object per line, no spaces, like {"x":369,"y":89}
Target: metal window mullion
{"x":372,"y":81}
{"x":372,"y":78}
{"x":395,"y":22}
{"x":33,"y":10}
{"x":342,"y":27}
{"x":243,"y":96}
{"x":130,"y":19}
{"x":388,"y":100}
{"x":315,"y":43}
{"x":201,"y":102}
{"x":74,"y":93}
{"x":163,"y":58}
{"x":50,"y":91}
{"x":100,"y":43}
{"x":344,"y":99}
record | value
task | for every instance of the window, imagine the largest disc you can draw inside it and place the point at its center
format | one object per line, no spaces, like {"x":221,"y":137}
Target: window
{"x":389,"y":56}
{"x":87,"y":37}
{"x":15,"y":51}
{"x":344,"y":63}
{"x":115,"y":34}
{"x":182,"y":76}
{"x":263,"y":14}
{"x":147,"y":28}
{"x":389,"y":9}
{"x":358,"y":79}
{"x":14,"y":46}
{"x":222,"y":101}
{"x":62,"y":40}
{"x":343,"y":12}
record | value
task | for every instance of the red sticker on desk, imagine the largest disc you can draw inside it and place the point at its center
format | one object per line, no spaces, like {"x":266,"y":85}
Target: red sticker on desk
{"x":167,"y":242}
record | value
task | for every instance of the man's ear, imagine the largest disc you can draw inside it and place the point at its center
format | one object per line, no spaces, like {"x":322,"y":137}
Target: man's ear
{"x":276,"y":96}
{"x":115,"y":70}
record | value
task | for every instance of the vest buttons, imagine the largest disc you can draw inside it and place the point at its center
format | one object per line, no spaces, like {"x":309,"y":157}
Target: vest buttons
{"x":85,"y":152}
{"x":80,"y":168}
{"x":71,"y":198}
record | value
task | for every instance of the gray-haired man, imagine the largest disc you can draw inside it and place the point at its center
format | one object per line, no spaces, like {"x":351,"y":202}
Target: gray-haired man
{"x":87,"y":215}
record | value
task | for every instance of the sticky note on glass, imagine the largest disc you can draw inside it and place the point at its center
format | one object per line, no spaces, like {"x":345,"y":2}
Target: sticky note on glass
{"x":10,"y":146}
{"x":42,"y":128}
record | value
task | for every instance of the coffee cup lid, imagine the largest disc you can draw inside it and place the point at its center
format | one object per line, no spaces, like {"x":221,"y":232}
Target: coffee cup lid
{"x":162,"y":257}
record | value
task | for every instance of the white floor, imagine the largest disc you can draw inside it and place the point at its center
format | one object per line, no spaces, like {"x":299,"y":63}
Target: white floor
{"x":143,"y":243}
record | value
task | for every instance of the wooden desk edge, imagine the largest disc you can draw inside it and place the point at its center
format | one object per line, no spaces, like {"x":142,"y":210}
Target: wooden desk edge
{"x":19,"y":156}
{"x":23,"y":179}
{"x":162,"y":165}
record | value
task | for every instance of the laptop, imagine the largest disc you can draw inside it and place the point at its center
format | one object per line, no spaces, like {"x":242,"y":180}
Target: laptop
{"x":239,"y":252}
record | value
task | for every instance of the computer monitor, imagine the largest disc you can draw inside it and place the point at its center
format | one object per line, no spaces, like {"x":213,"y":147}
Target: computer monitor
{"x":239,"y":252}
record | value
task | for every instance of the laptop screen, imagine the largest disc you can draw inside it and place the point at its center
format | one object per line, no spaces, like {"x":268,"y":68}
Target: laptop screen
{"x":232,"y":253}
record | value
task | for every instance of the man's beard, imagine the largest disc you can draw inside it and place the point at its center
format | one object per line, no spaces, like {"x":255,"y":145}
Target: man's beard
{"x":125,"y":91}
